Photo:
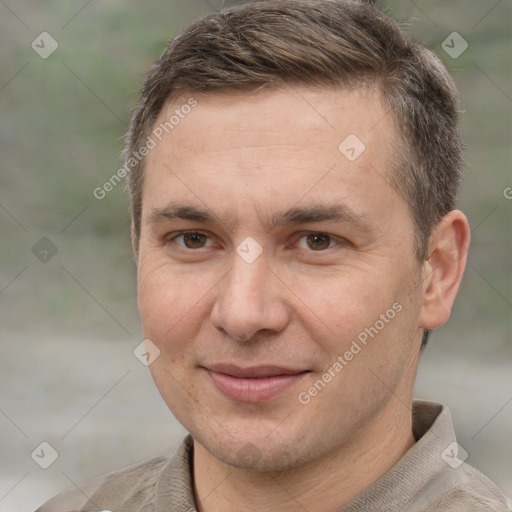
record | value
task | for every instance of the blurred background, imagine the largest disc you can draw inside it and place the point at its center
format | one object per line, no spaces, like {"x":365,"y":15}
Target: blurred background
{"x":68,"y":316}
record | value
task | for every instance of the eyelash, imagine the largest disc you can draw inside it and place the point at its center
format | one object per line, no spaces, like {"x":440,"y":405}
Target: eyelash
{"x":172,"y":238}
{"x":332,"y":239}
{"x":338,"y":241}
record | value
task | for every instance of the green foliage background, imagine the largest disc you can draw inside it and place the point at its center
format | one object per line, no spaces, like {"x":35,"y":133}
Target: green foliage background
{"x":63,"y":120}
{"x":69,"y":326}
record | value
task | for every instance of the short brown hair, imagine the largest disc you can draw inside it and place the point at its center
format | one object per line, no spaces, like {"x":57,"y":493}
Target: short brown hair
{"x":337,"y":43}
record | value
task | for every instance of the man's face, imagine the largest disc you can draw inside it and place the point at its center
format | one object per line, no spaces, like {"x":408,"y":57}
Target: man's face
{"x":247,"y":342}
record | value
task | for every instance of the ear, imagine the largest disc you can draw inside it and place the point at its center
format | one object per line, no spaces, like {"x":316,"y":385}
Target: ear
{"x":443,"y":268}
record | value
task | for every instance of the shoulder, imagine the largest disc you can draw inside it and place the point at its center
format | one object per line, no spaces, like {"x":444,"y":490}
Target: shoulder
{"x":129,"y":489}
{"x":448,"y":483}
{"x":465,"y":488}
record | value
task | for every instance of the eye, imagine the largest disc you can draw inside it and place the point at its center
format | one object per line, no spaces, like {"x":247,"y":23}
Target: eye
{"x":317,"y":241}
{"x":191,"y":240}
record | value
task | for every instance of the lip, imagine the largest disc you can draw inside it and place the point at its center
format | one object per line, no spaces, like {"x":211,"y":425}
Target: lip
{"x":254,"y":384}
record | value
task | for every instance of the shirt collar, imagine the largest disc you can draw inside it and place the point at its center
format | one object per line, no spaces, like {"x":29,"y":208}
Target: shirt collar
{"x":432,"y":429}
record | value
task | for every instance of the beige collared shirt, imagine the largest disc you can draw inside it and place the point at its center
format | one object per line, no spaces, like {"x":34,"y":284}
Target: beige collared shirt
{"x":428,"y":478}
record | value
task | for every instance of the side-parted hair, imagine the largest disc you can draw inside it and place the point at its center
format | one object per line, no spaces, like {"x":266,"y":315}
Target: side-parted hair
{"x":340,"y":43}
{"x":333,"y":43}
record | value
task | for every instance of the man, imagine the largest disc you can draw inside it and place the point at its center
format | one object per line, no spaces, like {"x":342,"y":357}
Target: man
{"x":293,"y":171}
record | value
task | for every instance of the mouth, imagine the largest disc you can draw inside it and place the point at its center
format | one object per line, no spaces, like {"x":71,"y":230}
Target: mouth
{"x":254,"y":384}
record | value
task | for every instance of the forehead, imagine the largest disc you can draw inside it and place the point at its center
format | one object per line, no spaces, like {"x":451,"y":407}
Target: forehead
{"x":280,"y":145}
{"x":288,"y":113}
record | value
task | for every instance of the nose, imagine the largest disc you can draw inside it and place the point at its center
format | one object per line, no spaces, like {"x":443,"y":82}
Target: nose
{"x":250,"y":300}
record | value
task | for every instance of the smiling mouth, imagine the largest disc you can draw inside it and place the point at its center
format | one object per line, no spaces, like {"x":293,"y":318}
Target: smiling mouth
{"x":255,"y":384}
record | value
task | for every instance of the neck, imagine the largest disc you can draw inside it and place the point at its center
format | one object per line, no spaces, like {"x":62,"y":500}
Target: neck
{"x":338,"y":478}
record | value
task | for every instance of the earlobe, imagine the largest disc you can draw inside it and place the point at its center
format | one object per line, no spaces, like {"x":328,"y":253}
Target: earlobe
{"x":444,"y":268}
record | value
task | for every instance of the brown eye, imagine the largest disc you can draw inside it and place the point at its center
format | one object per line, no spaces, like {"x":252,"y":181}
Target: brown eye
{"x":318,"y":241}
{"x":194,"y":240}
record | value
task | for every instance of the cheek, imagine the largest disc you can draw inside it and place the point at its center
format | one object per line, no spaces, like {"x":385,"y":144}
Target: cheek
{"x":169,"y":300}
{"x":342,"y":304}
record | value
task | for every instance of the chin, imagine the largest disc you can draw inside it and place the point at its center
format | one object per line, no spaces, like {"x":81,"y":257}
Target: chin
{"x":253,"y":449}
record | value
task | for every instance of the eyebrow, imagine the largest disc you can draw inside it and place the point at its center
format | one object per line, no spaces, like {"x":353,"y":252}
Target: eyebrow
{"x":296,"y":215}
{"x":181,"y":211}
{"x":318,"y":213}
